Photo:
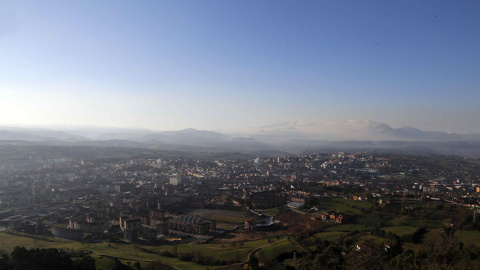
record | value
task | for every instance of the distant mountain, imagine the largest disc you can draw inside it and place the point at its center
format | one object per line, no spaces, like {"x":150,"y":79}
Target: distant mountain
{"x":12,"y":135}
{"x":39,"y":135}
{"x":120,"y":136}
{"x":291,"y":137}
{"x":188,"y":137}
{"x":358,"y":130}
{"x":60,"y":135}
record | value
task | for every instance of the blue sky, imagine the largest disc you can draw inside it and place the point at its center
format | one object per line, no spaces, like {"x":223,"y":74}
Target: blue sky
{"x":235,"y":64}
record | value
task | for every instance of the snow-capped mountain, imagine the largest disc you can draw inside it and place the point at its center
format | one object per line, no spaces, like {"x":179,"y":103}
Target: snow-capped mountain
{"x":359,"y":130}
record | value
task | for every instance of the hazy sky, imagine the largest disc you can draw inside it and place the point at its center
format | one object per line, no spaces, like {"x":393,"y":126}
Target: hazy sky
{"x":234,"y":64}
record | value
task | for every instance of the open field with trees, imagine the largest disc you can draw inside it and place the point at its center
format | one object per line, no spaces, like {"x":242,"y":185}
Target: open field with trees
{"x":183,"y":256}
{"x":409,"y":234}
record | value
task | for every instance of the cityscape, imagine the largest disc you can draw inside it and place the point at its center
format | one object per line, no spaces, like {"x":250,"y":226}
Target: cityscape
{"x":171,"y":210}
{"x":239,"y":135}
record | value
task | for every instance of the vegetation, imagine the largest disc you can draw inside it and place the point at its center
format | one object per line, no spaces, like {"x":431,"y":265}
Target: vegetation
{"x":191,"y":256}
{"x":427,"y":236}
{"x":33,"y":259}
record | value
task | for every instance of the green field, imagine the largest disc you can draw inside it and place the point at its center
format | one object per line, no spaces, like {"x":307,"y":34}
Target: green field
{"x":272,"y":212}
{"x":229,"y":219}
{"x":352,"y":203}
{"x":400,"y":230}
{"x":267,"y":253}
{"x":222,"y":217}
{"x":408,"y":221}
{"x":468,"y":238}
{"x":349,"y":228}
{"x":330,"y":236}
{"x":227,"y":252}
{"x":377,"y":240}
{"x":103,"y":263}
{"x":347,"y":207}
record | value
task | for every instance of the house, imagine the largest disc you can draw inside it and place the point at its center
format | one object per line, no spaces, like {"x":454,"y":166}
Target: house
{"x":365,"y":246}
{"x":388,"y":246}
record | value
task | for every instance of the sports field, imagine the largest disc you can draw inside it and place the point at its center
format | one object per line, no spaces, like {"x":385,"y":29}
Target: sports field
{"x":222,"y":217}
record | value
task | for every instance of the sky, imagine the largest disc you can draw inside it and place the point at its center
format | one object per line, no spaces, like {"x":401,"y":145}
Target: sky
{"x":223,"y":65}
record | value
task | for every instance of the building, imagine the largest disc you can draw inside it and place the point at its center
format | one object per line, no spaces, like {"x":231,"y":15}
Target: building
{"x":130,"y":235}
{"x":191,"y":225}
{"x":28,"y":226}
{"x":303,"y":200}
{"x":124,"y":187}
{"x":334,"y":217}
{"x":66,"y":233}
{"x":130,"y":227}
{"x":176,"y":180}
{"x":295,"y":205}
{"x":266,"y":199}
{"x":132,"y":224}
{"x":157,"y":213}
{"x":158,"y":219}
{"x":88,"y":227}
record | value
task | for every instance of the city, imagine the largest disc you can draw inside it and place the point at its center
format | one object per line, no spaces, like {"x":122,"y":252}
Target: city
{"x":239,"y":135}
{"x":149,"y":203}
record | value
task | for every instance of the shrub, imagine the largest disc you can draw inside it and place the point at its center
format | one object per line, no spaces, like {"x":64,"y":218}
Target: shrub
{"x":187,"y":257}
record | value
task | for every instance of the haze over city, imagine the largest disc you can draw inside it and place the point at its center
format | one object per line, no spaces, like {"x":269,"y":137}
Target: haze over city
{"x":239,"y":135}
{"x":233,"y":65}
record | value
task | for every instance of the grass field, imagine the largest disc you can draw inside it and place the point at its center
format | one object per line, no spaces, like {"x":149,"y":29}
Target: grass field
{"x":330,"y":236}
{"x":272,"y":212}
{"x":222,"y":217}
{"x":352,"y":203}
{"x":343,"y":206}
{"x":371,"y":221}
{"x":103,"y":263}
{"x":407,"y":221}
{"x":229,"y":219}
{"x":349,"y":228}
{"x":433,"y":234}
{"x":227,"y":252}
{"x":468,"y":238}
{"x":400,"y":230}
{"x":377,"y":240}
{"x":267,"y":253}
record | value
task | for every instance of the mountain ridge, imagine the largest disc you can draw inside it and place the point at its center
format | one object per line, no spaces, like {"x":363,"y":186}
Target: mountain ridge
{"x":294,"y":136}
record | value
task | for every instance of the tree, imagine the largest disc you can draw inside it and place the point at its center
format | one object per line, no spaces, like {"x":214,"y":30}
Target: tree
{"x":41,"y":259}
{"x":118,"y":265}
{"x":252,"y":264}
{"x":405,"y":260}
{"x":330,"y":258}
{"x":5,"y":262}
{"x":86,"y":263}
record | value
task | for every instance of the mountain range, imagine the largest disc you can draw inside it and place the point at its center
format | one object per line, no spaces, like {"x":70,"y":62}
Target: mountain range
{"x":290,"y":137}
